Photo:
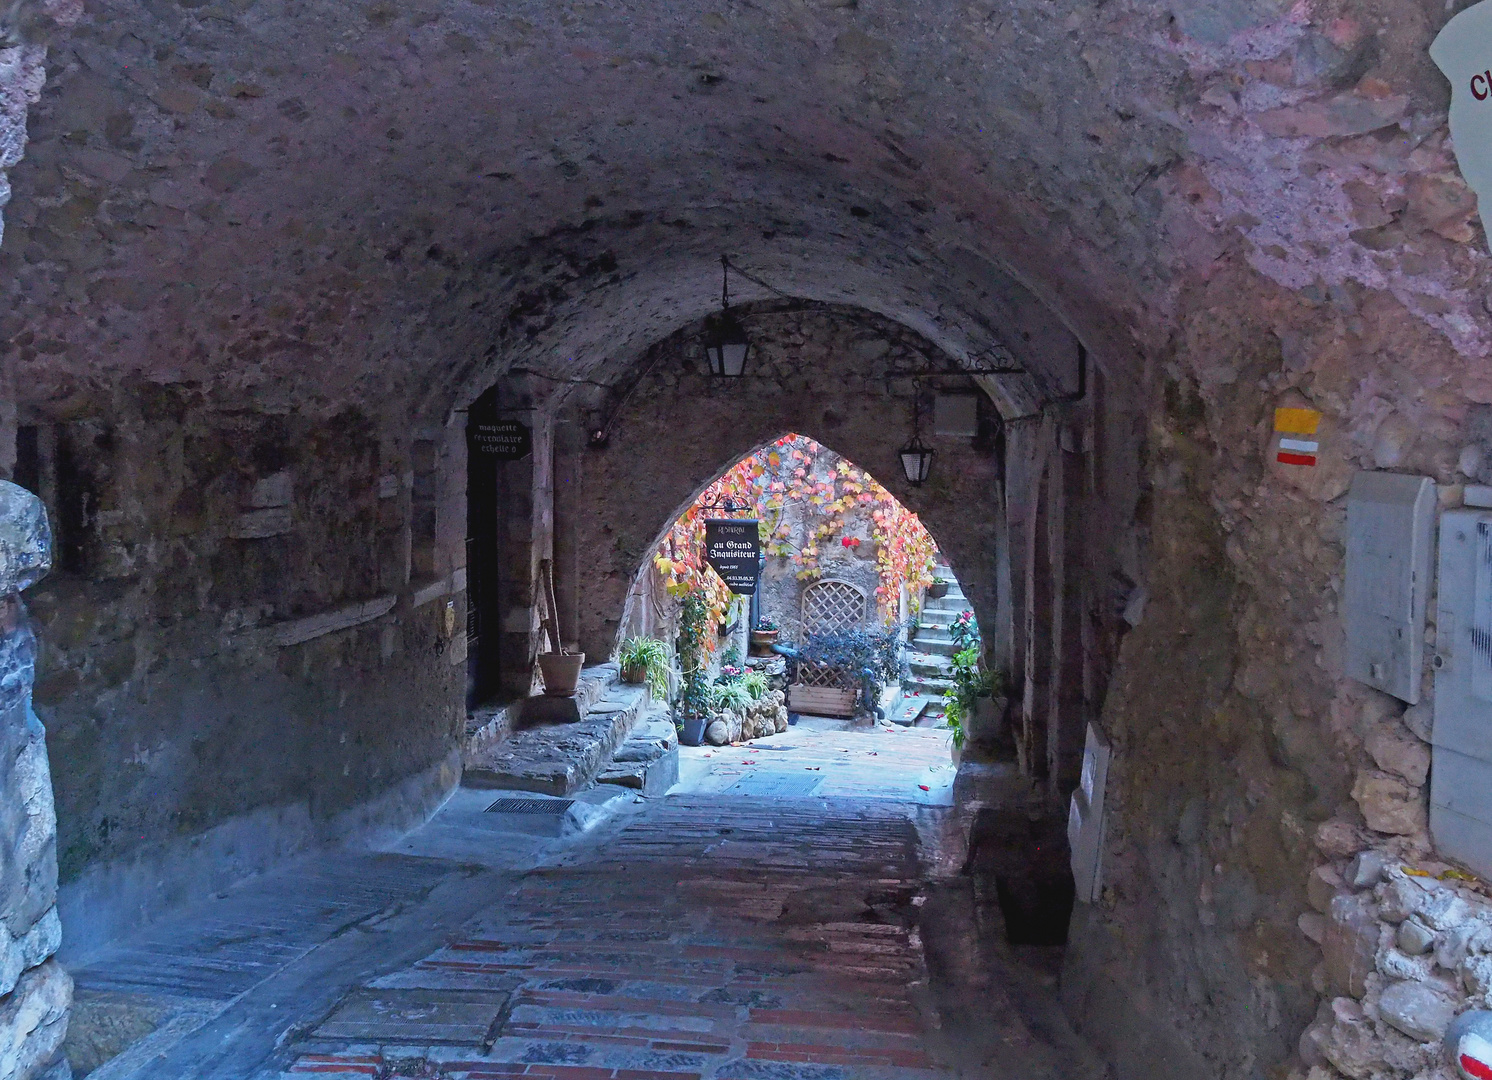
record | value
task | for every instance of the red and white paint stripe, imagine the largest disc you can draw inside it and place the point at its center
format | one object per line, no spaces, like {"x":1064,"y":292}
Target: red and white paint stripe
{"x":1474,"y":1055}
{"x":1297,"y":451}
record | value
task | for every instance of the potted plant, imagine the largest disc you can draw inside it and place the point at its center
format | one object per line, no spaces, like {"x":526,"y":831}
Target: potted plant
{"x":692,"y":709}
{"x":763,"y":636}
{"x":953,"y":718}
{"x":964,"y":631}
{"x":972,"y":705}
{"x":645,"y":660}
{"x":561,"y":672}
{"x":938,"y":589}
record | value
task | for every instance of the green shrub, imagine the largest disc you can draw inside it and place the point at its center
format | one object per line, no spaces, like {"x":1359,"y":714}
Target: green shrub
{"x":756,"y":684}
{"x":731,"y":695}
{"x":860,"y":650}
{"x":651,"y":655}
{"x":970,"y":683}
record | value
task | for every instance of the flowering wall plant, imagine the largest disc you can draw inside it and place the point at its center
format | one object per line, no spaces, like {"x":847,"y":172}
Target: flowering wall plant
{"x":797,"y":471}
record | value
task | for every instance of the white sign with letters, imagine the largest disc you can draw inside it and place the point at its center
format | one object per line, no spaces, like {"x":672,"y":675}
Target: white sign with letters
{"x":1463,"y":52}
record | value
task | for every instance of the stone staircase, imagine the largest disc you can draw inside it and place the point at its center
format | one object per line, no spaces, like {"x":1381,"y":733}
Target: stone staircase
{"x":621,"y":737}
{"x":929,"y":656}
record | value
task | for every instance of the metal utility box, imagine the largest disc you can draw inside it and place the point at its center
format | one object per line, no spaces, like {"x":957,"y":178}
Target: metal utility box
{"x":1085,"y":819}
{"x":1390,"y":525}
{"x":1461,"y":774}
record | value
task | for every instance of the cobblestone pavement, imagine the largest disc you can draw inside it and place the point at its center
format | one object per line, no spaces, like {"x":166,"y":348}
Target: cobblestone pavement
{"x":830,"y":760}
{"x":750,"y":926}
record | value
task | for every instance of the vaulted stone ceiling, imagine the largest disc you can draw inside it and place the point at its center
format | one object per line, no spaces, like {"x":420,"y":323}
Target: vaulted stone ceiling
{"x":313,"y":201}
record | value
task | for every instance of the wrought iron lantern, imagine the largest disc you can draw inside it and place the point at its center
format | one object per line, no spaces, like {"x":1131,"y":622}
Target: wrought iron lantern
{"x":916,"y":461}
{"x":916,"y":458}
{"x":726,"y":343}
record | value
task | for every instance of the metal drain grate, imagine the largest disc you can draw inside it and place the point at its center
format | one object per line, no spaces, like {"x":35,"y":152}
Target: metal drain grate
{"x":530,"y":806}
{"x":417,"y":1017}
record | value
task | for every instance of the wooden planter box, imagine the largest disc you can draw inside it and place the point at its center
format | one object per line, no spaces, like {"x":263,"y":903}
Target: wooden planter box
{"x":821,"y":700}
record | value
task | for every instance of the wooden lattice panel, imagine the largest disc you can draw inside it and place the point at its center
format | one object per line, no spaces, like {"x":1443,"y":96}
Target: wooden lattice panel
{"x":811,"y":674}
{"x":831,"y":607}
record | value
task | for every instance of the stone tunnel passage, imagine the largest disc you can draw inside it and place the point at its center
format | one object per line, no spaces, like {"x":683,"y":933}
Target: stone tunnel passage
{"x":1207,"y":263}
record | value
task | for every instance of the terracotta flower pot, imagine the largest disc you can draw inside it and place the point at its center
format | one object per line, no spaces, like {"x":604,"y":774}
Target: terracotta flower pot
{"x":561,"y":673}
{"x":762,"y":642}
{"x":938,"y":590}
{"x":635,"y":675}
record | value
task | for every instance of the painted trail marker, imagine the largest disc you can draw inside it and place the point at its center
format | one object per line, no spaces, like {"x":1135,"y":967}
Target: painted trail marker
{"x":1295,"y":436}
{"x":1463,"y":52}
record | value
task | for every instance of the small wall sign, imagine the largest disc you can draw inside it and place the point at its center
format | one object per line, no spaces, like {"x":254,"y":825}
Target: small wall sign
{"x":733,"y":550}
{"x":1463,"y":52}
{"x":1295,"y":436}
{"x":501,"y":440}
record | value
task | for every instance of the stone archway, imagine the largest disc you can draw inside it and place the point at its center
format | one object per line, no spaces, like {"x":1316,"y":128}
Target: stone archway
{"x":835,"y":375}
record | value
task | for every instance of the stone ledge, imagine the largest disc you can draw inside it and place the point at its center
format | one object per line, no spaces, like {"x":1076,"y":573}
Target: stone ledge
{"x":559,"y":759}
{"x":488,"y":725}
{"x":327,"y":622}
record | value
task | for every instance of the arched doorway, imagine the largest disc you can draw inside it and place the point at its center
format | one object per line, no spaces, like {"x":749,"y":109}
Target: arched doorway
{"x":847,"y":582}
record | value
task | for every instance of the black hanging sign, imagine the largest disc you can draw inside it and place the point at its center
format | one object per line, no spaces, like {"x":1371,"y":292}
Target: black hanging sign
{"x":733,"y":549}
{"x":501,"y":440}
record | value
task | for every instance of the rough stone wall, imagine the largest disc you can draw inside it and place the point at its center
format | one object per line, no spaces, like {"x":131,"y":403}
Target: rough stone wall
{"x":34,"y":990}
{"x":248,"y":619}
{"x":817,"y":372}
{"x":1405,"y":946}
{"x":1254,"y":759}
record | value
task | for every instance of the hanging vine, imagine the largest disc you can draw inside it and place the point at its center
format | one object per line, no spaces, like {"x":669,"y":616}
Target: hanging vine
{"x":798,"y":469}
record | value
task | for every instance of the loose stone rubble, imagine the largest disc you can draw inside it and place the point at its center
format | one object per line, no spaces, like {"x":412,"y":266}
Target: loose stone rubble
{"x":1406,"y":947}
{"x":766,"y":717}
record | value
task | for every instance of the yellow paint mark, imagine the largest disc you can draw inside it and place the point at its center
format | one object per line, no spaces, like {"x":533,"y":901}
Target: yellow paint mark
{"x":1296,"y":421}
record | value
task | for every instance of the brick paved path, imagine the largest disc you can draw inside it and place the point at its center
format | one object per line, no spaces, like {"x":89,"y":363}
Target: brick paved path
{"x":732,"y":938}
{"x":792,"y":912}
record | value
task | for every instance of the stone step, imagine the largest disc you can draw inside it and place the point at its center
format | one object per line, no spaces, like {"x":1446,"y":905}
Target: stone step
{"x":560,"y":759}
{"x":935,"y":647}
{"x":906,"y":710}
{"x":649,"y":760}
{"x":924,"y":664}
{"x":487,"y":725}
{"x":927,"y":687}
{"x":951,"y":604}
